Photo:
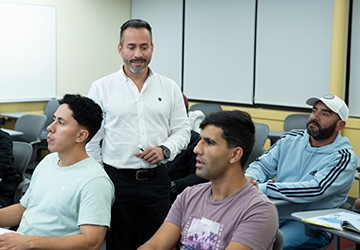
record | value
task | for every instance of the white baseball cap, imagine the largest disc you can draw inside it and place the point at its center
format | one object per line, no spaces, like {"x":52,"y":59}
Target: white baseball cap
{"x":332,"y":102}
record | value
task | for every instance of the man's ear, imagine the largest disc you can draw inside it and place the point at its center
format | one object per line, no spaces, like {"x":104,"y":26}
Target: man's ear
{"x":82,"y":136}
{"x":119,"y":48}
{"x":236,"y":155}
{"x":340,"y":125}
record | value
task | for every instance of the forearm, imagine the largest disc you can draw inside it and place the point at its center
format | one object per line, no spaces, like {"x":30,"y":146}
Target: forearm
{"x":10,"y":216}
{"x":90,"y":238}
{"x":78,"y":242}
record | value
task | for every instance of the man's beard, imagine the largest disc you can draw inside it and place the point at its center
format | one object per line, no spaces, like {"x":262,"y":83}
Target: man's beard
{"x":136,"y":70}
{"x":322,"y":133}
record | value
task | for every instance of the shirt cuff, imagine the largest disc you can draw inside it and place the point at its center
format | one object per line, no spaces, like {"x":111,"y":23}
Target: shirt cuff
{"x":262,"y":187}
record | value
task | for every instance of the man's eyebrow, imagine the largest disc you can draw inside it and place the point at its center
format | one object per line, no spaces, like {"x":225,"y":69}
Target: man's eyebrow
{"x":58,"y":118}
{"x":208,"y":139}
{"x":325,"y":110}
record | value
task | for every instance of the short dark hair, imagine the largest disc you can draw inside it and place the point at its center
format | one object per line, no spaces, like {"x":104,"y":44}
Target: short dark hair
{"x":136,"y":24}
{"x":238,"y":130}
{"x":85,"y":111}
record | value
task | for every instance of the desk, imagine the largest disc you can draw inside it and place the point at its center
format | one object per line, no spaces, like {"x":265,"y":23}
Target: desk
{"x":12,"y":132}
{"x":13,"y":115}
{"x":275,"y":135}
{"x":336,"y":233}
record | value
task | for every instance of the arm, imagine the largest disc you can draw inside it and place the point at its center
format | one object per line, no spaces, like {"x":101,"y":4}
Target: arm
{"x":93,"y":147}
{"x":179,"y":131}
{"x":333,"y":178}
{"x":6,"y":154}
{"x":164,"y":239}
{"x":11,"y":216}
{"x":237,"y":246}
{"x":265,"y":167}
{"x":91,"y":237}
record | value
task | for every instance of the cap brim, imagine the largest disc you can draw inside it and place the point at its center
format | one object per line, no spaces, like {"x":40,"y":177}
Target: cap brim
{"x":312,"y":101}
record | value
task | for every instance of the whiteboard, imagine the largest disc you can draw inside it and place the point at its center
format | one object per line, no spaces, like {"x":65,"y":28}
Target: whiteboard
{"x":27,"y":52}
{"x":293,"y":52}
{"x":354,"y":90}
{"x":219,"y":50}
{"x":166,"y":19}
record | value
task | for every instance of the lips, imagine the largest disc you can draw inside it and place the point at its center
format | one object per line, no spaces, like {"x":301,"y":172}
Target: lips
{"x":314,"y":123}
{"x":199,"y":163}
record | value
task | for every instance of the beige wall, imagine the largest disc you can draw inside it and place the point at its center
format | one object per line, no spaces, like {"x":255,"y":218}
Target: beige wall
{"x":87,"y":36}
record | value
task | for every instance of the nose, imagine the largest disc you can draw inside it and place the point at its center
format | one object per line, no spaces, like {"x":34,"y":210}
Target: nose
{"x":50,"y":128}
{"x":138,"y":52}
{"x":197,"y":148}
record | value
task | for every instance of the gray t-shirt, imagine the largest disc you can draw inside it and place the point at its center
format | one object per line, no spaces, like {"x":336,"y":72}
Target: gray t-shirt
{"x":60,"y":199}
{"x":247,"y":217}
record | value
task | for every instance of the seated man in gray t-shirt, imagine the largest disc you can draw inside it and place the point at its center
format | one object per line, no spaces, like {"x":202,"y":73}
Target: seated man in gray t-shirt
{"x":228,"y":211}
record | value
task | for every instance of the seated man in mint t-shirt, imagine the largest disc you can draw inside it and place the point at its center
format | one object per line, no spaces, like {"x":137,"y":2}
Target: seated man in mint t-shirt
{"x":68,"y":203}
{"x":228,"y":212}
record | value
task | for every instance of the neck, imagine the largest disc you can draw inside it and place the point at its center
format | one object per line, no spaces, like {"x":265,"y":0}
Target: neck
{"x":229,"y":185}
{"x":71,"y":157}
{"x":321,"y":143}
{"x":138,"y":79}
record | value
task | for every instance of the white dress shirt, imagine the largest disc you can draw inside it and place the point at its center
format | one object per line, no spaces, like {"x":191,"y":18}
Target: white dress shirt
{"x":154,"y":116}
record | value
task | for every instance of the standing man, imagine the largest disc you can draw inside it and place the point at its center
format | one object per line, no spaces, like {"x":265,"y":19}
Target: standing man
{"x":68,"y":203}
{"x":227,"y":212}
{"x":313,"y":167}
{"x":145,"y":125}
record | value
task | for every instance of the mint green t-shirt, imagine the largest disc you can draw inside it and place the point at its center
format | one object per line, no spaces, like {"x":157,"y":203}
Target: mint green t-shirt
{"x":60,"y":199}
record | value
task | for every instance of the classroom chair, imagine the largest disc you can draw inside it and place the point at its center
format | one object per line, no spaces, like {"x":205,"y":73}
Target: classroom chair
{"x":261,"y":135}
{"x":22,"y":153}
{"x":206,"y":108}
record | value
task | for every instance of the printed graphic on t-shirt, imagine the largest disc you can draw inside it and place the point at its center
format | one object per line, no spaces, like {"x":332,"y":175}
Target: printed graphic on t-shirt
{"x":201,"y":234}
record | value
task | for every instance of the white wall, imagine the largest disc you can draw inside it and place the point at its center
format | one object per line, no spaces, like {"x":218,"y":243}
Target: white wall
{"x":87,"y":36}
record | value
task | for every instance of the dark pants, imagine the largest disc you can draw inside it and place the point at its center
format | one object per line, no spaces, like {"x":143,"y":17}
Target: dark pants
{"x":140,"y":206}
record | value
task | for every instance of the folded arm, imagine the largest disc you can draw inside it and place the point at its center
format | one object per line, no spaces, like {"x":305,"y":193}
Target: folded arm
{"x":91,"y":237}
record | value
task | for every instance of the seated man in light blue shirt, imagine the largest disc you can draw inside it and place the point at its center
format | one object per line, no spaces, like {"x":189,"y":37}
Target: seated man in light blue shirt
{"x":68,"y":203}
{"x":313,"y":168}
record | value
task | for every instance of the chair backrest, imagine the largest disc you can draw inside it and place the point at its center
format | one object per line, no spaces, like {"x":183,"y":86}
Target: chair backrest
{"x":49,"y":110}
{"x":22,"y":153}
{"x":261,"y":134}
{"x":279,"y":241}
{"x":31,"y":125}
{"x":295,"y":121}
{"x":206,"y":108}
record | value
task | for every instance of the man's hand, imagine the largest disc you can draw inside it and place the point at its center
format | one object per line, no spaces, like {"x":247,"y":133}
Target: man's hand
{"x":13,"y":241}
{"x":251,"y":180}
{"x":152,"y":155}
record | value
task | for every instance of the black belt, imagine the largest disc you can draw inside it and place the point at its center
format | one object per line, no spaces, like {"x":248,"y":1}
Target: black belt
{"x":141,"y":174}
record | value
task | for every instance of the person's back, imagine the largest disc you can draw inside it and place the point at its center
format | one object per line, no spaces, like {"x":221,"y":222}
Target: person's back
{"x":9,"y":179}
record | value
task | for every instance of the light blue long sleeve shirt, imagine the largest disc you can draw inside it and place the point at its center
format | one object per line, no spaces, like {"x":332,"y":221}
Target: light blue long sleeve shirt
{"x":318,"y":177}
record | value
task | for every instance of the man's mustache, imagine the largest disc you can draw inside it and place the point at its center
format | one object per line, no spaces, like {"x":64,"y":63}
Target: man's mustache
{"x":314,"y":122}
{"x":141,"y":59}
